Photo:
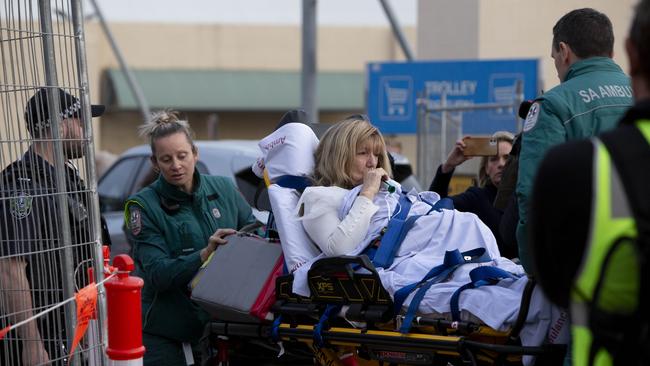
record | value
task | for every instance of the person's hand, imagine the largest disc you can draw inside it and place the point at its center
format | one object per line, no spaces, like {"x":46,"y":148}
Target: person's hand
{"x":456,"y":157}
{"x":216,"y":239}
{"x":34,"y":353}
{"x":372,"y":182}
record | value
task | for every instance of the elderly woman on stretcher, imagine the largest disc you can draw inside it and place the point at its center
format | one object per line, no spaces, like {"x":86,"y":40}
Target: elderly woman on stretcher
{"x":433,"y":251}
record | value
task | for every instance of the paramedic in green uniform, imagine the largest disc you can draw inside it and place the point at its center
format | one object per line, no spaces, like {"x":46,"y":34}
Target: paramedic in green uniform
{"x":174,"y":225}
{"x":597,"y":260}
{"x":592,"y":96}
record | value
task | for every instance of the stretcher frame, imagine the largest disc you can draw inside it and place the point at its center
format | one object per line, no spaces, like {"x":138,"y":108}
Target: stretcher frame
{"x":338,"y":281}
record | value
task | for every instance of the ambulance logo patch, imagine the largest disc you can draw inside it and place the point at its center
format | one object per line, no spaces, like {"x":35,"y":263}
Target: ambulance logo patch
{"x":135,"y":220}
{"x":216,"y":213}
{"x":531,"y":117}
{"x":20,"y":205}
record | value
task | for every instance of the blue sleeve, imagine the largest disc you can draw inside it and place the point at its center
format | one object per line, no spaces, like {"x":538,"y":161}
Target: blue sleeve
{"x":541,"y":132}
{"x":152,"y":254}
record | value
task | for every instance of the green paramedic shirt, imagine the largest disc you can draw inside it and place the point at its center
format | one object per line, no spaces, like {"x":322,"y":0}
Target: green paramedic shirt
{"x":168,"y":228}
{"x":593,"y":97}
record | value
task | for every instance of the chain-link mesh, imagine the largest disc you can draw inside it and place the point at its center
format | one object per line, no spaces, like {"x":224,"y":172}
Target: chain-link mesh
{"x":48,"y":207}
{"x":441,"y":122}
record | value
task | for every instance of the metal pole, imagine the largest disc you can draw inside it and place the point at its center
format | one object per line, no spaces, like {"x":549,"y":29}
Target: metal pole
{"x":308,"y":79}
{"x":49,"y":63}
{"x":443,"y":127}
{"x":397,"y":31}
{"x":519,"y":98}
{"x":421,"y":138}
{"x":130,"y":78}
{"x":84,"y":95}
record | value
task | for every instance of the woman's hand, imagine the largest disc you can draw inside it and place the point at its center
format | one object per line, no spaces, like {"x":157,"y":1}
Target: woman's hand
{"x":372,"y":182}
{"x":456,"y":157}
{"x":215,"y":240}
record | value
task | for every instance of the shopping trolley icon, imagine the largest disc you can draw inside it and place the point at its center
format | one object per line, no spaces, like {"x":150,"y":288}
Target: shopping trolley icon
{"x":397,"y":97}
{"x":503,"y":90}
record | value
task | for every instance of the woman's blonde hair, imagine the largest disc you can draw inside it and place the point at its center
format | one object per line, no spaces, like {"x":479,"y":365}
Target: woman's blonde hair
{"x":500,"y":136}
{"x":337,"y":150}
{"x":165,"y":123}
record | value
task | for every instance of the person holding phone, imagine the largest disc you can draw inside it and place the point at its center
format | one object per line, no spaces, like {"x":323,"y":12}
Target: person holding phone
{"x":478,"y":199}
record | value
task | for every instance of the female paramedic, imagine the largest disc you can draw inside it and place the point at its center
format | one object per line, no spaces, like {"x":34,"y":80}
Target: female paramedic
{"x":175,"y":224}
{"x":478,"y":200}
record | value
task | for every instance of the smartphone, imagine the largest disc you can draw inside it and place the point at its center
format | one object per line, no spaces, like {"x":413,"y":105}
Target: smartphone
{"x":480,"y":146}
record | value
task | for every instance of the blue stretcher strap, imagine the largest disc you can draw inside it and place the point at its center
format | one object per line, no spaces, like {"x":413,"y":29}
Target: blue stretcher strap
{"x":293,"y":181}
{"x":397,"y":228}
{"x":391,"y":241}
{"x":480,"y":276}
{"x":453,"y":259}
{"x":318,"y":328}
{"x":442,"y":204}
{"x":403,"y":208}
{"x":275,"y":329}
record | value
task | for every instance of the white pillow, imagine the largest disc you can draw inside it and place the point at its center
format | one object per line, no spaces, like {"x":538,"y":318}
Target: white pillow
{"x":289,"y":150}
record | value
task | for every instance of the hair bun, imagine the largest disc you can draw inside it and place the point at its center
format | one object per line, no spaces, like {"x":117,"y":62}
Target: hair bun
{"x":158,"y":120}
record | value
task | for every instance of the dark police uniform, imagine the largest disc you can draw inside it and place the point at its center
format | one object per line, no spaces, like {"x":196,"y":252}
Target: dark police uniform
{"x":168,"y":229}
{"x":31,"y":231}
{"x":593,"y":97}
{"x":583,"y":251}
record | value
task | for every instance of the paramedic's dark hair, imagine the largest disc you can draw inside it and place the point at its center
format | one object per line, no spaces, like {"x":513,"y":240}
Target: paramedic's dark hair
{"x":165,"y":123}
{"x":640,"y":36}
{"x":588,"y":32}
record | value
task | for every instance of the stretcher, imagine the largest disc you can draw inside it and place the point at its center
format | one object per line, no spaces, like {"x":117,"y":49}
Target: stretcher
{"x":349,"y":317}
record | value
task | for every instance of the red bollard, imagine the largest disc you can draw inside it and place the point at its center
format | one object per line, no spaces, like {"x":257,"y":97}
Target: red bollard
{"x":124,"y":314}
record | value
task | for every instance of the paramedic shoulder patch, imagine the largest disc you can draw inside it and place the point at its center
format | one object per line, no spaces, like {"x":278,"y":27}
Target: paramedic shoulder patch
{"x":531,"y":118}
{"x":20,"y":205}
{"x":135,"y":220}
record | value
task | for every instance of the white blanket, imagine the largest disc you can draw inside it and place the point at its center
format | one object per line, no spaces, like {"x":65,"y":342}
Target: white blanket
{"x":424,"y":247}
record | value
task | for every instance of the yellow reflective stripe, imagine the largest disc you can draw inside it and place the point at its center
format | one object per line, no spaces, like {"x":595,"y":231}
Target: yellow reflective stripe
{"x":605,"y":229}
{"x":126,"y":210}
{"x":644,"y":126}
{"x":594,"y":253}
{"x":581,"y":344}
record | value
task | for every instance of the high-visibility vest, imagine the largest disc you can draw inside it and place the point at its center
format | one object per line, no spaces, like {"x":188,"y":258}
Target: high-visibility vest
{"x":606,"y":289}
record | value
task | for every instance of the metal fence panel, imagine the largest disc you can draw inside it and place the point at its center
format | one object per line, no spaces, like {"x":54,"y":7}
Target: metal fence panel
{"x":49,"y":216}
{"x":439,"y":126}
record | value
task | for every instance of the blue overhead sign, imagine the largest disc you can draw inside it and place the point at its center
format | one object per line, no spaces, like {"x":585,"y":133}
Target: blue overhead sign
{"x":393,"y":88}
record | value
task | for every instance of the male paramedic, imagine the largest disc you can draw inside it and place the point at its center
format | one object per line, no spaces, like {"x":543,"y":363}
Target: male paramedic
{"x":592,"y":96}
{"x":32,"y":273}
{"x":597,"y":265}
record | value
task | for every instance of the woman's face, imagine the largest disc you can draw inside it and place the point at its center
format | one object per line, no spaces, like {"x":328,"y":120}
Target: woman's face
{"x":366,"y":157}
{"x":176,"y":160}
{"x":495,"y":164}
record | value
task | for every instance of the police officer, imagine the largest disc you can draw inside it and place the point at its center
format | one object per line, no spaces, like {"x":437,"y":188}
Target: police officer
{"x":175,"y":224}
{"x":596,"y":237}
{"x":31,"y":250}
{"x":593,"y":95}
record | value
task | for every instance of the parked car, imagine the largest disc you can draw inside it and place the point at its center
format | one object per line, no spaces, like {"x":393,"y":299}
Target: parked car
{"x":133,"y":170}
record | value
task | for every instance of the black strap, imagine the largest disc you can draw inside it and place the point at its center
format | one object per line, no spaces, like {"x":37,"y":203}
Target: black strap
{"x":630,"y":153}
